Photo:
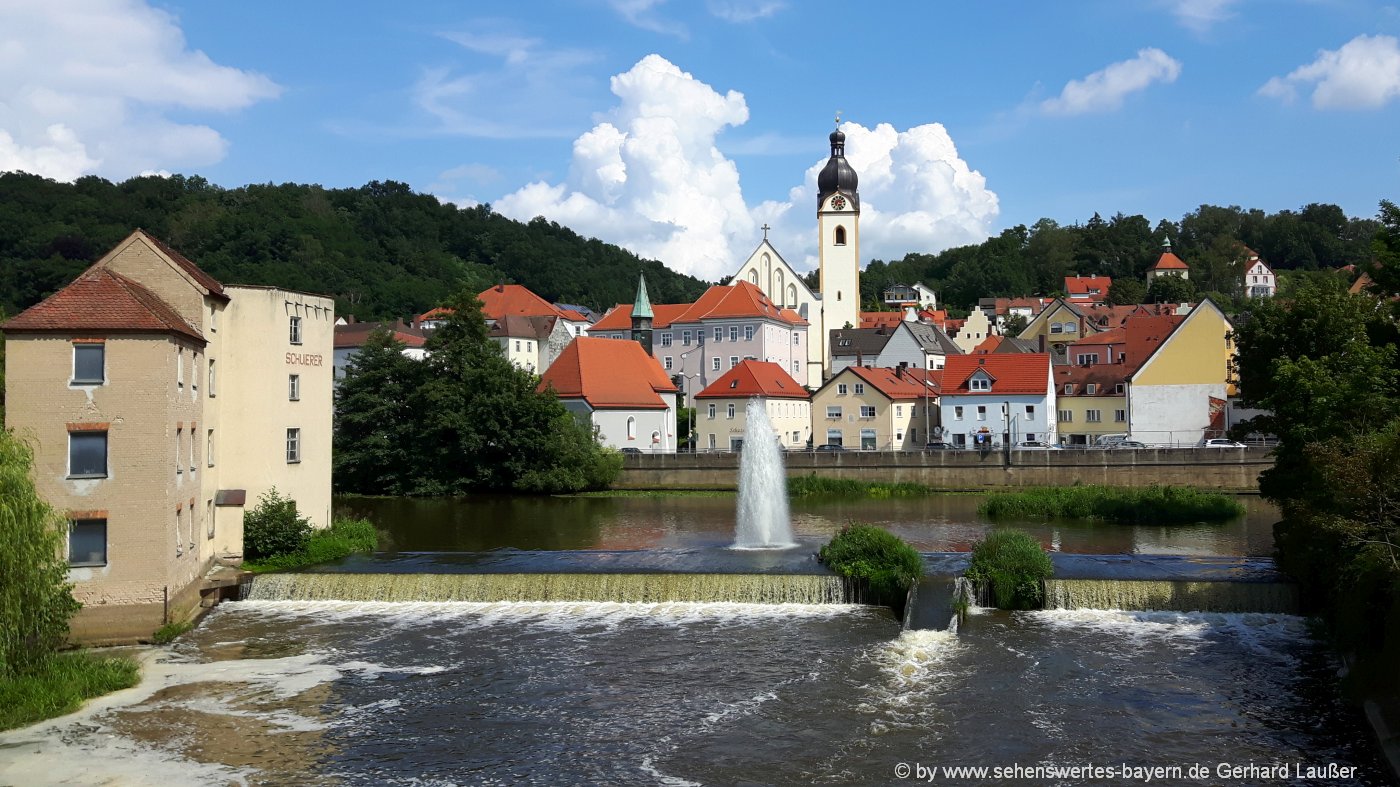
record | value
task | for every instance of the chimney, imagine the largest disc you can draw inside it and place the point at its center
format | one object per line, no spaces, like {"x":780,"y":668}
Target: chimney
{"x":1042,"y":342}
{"x":500,"y":288}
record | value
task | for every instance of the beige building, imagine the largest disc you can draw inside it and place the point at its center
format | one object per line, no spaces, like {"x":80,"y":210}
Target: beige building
{"x":159,"y":404}
{"x":721,"y":417}
{"x":876,"y":409}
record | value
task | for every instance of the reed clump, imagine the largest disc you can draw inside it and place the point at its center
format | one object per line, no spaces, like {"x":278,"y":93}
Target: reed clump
{"x":1156,"y":505}
{"x":1014,"y":566}
{"x":813,"y":486}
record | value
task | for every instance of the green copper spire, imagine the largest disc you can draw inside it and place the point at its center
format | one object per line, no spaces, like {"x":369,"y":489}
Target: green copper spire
{"x":642,"y":306}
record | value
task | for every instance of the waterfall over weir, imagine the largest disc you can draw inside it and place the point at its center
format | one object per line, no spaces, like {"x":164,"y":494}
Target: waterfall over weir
{"x":1171,"y":595}
{"x":630,"y":588}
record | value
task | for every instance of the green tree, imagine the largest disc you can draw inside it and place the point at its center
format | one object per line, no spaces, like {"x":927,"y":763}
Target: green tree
{"x":375,"y":424}
{"x":1386,"y":248}
{"x":1127,"y":292}
{"x":36,"y":601}
{"x":1170,"y":289}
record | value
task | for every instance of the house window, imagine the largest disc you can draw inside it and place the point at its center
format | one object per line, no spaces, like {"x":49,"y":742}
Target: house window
{"x":712,"y":441}
{"x":833,"y":437}
{"x":1069,"y":389}
{"x":748,"y":333}
{"x":733,"y":361}
{"x":1087,"y":359}
{"x":1030,"y":412}
{"x":1030,"y":437}
{"x":1066,"y":416}
{"x":1055,"y":327}
{"x":194,"y":374}
{"x":899,"y":411}
{"x":979,"y":384}
{"x":213,"y":319}
{"x":1120,"y":415}
{"x":668,"y":363}
{"x":733,"y":333}
{"x":294,"y":330}
{"x":87,"y":542}
{"x":867,"y":439}
{"x":517,"y":345}
{"x":87,"y":454}
{"x":729,"y":412}
{"x":179,"y":367}
{"x":685,"y":338}
{"x":867,"y":411}
{"x":179,"y":448}
{"x":714,"y":363}
{"x":294,"y":388}
{"x":981,"y":412}
{"x":211,"y":378}
{"x":958,"y":413}
{"x":842,"y":389}
{"x":209,"y":448}
{"x":293,"y":445}
{"x":795,"y":340}
{"x":1118,"y":389}
{"x":796,"y":438}
{"x":666,"y":339}
{"x":712,"y":412}
{"x":1093,"y":416}
{"x":833,"y":412}
{"x":796,"y":368}
{"x":1090,"y":389}
{"x":89,"y":363}
{"x":719,"y":334}
{"x":860,"y":389}
{"x":631,"y":427}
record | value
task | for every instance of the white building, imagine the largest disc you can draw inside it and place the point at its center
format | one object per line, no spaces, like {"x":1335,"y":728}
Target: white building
{"x":620,"y":390}
{"x":985,"y":397}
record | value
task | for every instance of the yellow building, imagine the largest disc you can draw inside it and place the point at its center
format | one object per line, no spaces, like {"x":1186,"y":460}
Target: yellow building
{"x":721,"y":419}
{"x":1058,"y":325}
{"x":876,"y":409}
{"x":1178,"y":395}
{"x":158,"y":403}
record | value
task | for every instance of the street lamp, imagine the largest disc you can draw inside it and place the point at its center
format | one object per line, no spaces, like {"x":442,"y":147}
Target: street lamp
{"x":685,"y":394}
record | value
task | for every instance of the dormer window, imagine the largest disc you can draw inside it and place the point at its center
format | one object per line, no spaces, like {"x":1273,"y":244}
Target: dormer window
{"x":1069,"y":389}
{"x":979,"y":384}
{"x":1090,"y":389}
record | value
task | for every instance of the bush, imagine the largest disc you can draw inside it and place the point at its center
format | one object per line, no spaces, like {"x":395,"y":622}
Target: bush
{"x":884,"y":564}
{"x":170,"y":632}
{"x":344,"y":537}
{"x":1014,"y":566}
{"x":1155,"y":505}
{"x":813,"y":486}
{"x":274,"y":528}
{"x":35,"y":597}
{"x":61,"y":685}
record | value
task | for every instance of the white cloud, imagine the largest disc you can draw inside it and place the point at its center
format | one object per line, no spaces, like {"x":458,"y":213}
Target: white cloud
{"x":1363,"y":74}
{"x":527,"y":95}
{"x":741,"y":11}
{"x":85,"y":87}
{"x":651,"y":178}
{"x":642,"y":14}
{"x":1201,"y":15}
{"x":1104,"y":90}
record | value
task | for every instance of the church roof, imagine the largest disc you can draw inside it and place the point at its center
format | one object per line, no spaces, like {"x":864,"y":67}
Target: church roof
{"x":838,"y":175}
{"x":740,"y":299}
{"x":608,"y":374}
{"x":641,"y":307}
{"x":619,"y":317}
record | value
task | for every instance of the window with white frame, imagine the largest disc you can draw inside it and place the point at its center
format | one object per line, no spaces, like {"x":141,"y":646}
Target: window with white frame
{"x":1093,"y":416}
{"x":899,"y":411}
{"x":1066,"y":416}
{"x":981,"y":412}
{"x":685,"y":338}
{"x":729,"y":411}
{"x":294,"y":330}
{"x":1090,"y":389}
{"x":748,"y":333}
{"x":714,"y":363}
{"x":795,"y":339}
{"x":842,"y":389}
{"x":733,"y":361}
{"x":833,"y":412}
{"x":179,"y":368}
{"x":89,"y":363}
{"x":958,"y":413}
{"x":1055,"y":327}
{"x":211,"y":378}
{"x":668,"y":362}
{"x":1118,"y":389}
{"x":712,"y":412}
{"x":294,"y":388}
{"x":1120,"y":415}
{"x":719,"y":334}
{"x":293,"y":445}
{"x":979,"y":384}
{"x":860,"y":389}
{"x":733,"y":333}
{"x":209,"y":448}
{"x":867,"y":411}
{"x":1086,"y":359}
{"x":666,"y":339}
{"x":179,"y":447}
{"x":631,"y":428}
{"x":1069,"y":389}
{"x":834,"y":437}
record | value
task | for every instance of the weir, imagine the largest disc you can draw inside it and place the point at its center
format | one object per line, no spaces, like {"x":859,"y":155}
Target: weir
{"x":496,"y":587}
{"x":1171,"y":595}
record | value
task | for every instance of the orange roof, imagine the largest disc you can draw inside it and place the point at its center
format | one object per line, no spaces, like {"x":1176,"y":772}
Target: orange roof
{"x":619,"y":317}
{"x":893,"y":383}
{"x":1105,"y":377}
{"x":936,"y":316}
{"x":754,"y":378}
{"x":441,"y":312}
{"x":1082,"y":287}
{"x":514,"y":299}
{"x":881,"y":319}
{"x":988,"y":345}
{"x":103,"y":301}
{"x":356,"y":334}
{"x":1146,"y":333}
{"x":1011,"y":373}
{"x":1170,"y":262}
{"x":608,"y":374}
{"x":740,"y":299}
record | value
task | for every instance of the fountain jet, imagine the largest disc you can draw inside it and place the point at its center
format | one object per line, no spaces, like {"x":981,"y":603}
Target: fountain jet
{"x":763,"y":504}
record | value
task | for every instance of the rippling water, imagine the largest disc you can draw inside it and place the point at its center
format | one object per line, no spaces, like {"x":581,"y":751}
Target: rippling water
{"x":676,"y":694}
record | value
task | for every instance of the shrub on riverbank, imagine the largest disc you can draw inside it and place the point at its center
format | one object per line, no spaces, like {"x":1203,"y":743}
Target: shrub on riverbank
{"x":1157,"y":505}
{"x":814,"y":486}
{"x":875,"y":558}
{"x":61,"y":686}
{"x":344,"y":537}
{"x":1014,"y":566}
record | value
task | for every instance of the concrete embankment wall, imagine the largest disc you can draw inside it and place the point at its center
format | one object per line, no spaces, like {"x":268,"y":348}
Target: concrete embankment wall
{"x":1230,"y":470}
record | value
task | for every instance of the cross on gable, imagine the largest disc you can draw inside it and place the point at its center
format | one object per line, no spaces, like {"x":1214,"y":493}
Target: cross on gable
{"x":765,"y":229}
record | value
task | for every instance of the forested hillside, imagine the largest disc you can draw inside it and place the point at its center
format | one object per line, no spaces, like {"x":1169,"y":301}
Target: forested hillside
{"x":1034,"y":260}
{"x":381,"y":250}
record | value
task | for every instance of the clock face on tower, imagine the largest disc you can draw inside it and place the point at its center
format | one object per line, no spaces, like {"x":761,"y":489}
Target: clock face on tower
{"x":838,"y":202}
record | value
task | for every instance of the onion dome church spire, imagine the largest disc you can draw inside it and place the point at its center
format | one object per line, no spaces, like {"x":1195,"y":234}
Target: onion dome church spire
{"x":838,"y":176}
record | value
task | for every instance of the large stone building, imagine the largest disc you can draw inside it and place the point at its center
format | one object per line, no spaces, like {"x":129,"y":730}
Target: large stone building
{"x":159,"y":403}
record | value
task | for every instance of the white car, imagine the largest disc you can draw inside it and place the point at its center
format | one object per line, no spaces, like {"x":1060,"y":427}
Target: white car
{"x":1219,"y":442}
{"x":1027,"y":445}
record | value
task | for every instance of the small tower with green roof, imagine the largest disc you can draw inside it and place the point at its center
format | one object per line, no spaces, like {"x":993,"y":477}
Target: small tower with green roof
{"x":642,"y":316}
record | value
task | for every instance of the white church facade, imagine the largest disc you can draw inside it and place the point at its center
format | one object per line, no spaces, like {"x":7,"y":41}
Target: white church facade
{"x":837,"y":305}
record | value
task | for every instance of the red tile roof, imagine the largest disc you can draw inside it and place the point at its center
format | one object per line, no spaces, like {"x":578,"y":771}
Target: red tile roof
{"x":513,"y":299}
{"x":205,"y":280}
{"x":619,"y":317}
{"x":1081,"y":288}
{"x":439,"y":313}
{"x":1105,"y":377}
{"x":893,"y":383}
{"x":1011,"y":373}
{"x":103,"y":301}
{"x":740,"y":299}
{"x":754,"y":378}
{"x":881,"y":319}
{"x":608,"y":374}
{"x":1169,"y":262}
{"x":988,"y":345}
{"x":357,"y":333}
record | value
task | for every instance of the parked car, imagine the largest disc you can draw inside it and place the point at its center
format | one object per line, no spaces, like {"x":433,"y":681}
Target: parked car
{"x":938,"y":447}
{"x":831,"y":447}
{"x":1219,"y":442}
{"x":630,"y":450}
{"x":1028,"y":445}
{"x":1128,"y":444}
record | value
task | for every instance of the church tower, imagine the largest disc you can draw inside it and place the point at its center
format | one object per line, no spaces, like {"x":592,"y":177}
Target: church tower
{"x":838,"y":221}
{"x":642,"y":316}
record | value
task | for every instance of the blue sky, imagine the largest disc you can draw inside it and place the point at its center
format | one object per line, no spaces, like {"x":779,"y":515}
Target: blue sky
{"x":678,"y":128}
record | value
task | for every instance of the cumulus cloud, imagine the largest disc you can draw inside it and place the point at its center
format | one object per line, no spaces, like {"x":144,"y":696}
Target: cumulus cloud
{"x":87,"y":87}
{"x":1201,"y":15}
{"x":1363,"y":74}
{"x":651,"y":178}
{"x":1104,"y":90}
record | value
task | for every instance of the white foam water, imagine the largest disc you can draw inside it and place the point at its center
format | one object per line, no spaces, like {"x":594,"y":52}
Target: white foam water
{"x":763,"y":521}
